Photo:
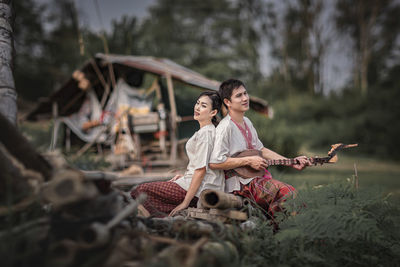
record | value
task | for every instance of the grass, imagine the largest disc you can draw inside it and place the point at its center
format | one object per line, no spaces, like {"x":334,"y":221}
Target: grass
{"x":371,"y":172}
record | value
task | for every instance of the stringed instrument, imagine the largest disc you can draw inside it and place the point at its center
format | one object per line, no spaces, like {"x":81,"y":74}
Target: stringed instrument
{"x":249,"y":172}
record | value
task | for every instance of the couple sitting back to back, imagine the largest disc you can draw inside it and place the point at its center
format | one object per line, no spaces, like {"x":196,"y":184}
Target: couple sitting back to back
{"x":210,"y":153}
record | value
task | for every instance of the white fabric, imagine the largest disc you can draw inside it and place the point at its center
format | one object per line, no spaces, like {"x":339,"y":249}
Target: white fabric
{"x":228,"y":141}
{"x":89,"y":111}
{"x":198,"y":149}
{"x":124,"y":96}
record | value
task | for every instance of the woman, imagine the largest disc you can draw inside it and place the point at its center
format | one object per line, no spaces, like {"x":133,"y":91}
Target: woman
{"x":180,"y":192}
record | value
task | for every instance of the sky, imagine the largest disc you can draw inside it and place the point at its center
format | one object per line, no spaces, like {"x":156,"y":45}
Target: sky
{"x":109,"y":10}
{"x":336,"y":70}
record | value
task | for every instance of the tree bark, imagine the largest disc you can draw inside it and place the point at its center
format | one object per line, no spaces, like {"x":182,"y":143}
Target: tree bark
{"x":8,"y":95}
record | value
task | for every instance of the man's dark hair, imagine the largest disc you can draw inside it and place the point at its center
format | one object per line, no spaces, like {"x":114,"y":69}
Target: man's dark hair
{"x":226,"y":88}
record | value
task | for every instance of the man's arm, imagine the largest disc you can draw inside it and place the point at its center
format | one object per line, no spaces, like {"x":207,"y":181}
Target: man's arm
{"x":255,"y":162}
{"x":269,"y":154}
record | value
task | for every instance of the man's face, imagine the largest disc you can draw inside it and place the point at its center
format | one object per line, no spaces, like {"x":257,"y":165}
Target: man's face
{"x":239,"y":100}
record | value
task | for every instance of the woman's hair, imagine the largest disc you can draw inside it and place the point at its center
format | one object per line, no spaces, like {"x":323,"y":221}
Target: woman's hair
{"x":215,"y":103}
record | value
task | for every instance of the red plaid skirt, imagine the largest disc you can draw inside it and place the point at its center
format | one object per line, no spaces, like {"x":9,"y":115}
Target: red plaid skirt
{"x":267,"y":192}
{"x":162,"y":197}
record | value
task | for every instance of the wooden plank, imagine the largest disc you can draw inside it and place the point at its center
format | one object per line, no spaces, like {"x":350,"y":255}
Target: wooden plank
{"x":126,"y":183}
{"x":217,"y":214}
{"x":174,"y":115}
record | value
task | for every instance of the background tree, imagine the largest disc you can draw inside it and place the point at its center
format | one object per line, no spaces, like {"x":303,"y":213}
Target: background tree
{"x":373,"y":27}
{"x":297,"y":43}
{"x":8,"y":95}
{"x":212,"y":37}
{"x":31,"y":78}
{"x":63,"y":47}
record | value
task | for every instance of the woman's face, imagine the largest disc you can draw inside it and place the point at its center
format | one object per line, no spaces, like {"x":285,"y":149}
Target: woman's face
{"x":203,"y":109}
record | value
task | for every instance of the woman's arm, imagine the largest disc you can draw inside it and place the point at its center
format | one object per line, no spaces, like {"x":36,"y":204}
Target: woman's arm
{"x":197,"y":178}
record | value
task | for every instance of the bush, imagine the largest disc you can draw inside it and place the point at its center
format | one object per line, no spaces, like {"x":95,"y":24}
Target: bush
{"x":336,"y":226}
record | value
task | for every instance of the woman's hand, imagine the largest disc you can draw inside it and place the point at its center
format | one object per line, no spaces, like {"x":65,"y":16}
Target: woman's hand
{"x":303,"y":162}
{"x":257,"y":162}
{"x":176,"y":177}
{"x":180,"y":207}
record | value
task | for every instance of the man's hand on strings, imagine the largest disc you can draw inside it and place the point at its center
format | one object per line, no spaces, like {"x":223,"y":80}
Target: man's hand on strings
{"x":257,"y":162}
{"x":303,"y":162}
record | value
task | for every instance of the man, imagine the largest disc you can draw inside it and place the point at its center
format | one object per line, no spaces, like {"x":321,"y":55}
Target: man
{"x":235,"y":133}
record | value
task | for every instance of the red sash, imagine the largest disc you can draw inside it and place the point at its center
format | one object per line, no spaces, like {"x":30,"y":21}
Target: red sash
{"x":246,"y":133}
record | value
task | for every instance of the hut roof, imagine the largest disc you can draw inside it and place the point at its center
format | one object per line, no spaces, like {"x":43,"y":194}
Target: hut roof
{"x":157,"y":66}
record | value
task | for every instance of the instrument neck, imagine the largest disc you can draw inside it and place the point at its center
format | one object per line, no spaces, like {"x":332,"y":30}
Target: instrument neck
{"x":288,"y":162}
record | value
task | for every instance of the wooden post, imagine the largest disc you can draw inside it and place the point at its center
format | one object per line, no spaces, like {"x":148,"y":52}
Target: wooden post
{"x":171,"y":96}
{"x":103,"y":82}
{"x":56,"y":126}
{"x":67,"y":139}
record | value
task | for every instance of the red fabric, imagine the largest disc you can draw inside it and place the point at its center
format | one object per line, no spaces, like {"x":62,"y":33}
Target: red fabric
{"x":162,"y":197}
{"x":246,"y":133}
{"x":267,"y":192}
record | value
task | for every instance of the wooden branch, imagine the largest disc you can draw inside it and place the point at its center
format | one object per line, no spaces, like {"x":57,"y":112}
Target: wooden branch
{"x":68,"y":187}
{"x":17,"y":184}
{"x":98,"y":234}
{"x":21,"y":149}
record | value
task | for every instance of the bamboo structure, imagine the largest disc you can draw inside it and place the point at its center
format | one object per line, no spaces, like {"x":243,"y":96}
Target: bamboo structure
{"x":215,"y":199}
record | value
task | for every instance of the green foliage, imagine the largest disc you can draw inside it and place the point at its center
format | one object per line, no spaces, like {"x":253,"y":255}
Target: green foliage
{"x":335,"y":225}
{"x":276,"y":134}
{"x":354,"y":19}
{"x":317,"y":122}
{"x":88,"y":162}
{"x":30,"y":60}
{"x":217,"y":38}
{"x":38,"y":134}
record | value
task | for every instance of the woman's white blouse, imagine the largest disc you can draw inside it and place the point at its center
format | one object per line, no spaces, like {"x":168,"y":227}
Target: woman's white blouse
{"x":198,"y":149}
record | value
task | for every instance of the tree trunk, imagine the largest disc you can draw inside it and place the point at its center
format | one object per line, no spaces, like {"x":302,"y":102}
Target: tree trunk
{"x":8,"y":95}
{"x":365,"y":25}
